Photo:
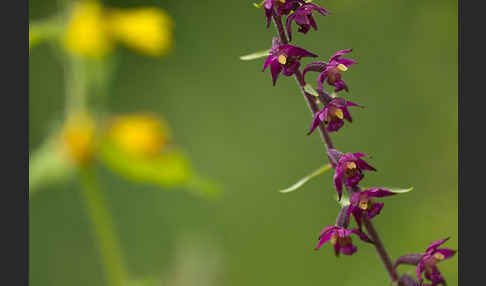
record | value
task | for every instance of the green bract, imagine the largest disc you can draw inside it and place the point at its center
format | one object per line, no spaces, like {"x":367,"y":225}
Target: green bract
{"x":255,"y":55}
{"x":307,"y":178}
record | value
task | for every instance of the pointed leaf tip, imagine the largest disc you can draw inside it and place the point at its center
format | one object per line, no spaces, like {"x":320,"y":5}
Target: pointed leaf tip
{"x":259,"y":5}
{"x":306,"y":179}
{"x":309,"y":89}
{"x":344,"y":200}
{"x":401,"y":191}
{"x":255,"y":55}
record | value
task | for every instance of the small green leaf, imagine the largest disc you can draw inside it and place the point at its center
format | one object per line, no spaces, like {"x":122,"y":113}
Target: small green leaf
{"x":255,"y":55}
{"x":400,"y":191}
{"x":259,"y":5}
{"x":309,"y":89}
{"x":168,"y":169}
{"x":344,"y":200}
{"x":48,"y":165}
{"x":307,"y":178}
{"x":203,"y":187}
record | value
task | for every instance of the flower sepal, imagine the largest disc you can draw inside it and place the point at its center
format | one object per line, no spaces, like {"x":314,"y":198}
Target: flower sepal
{"x":284,"y":59}
{"x":340,"y":238}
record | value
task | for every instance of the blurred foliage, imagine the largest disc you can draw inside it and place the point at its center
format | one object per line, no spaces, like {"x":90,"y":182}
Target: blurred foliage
{"x":136,"y":146}
{"x":250,"y":136}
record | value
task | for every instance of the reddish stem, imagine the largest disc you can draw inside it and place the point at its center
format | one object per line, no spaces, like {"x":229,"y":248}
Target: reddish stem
{"x":311,"y":102}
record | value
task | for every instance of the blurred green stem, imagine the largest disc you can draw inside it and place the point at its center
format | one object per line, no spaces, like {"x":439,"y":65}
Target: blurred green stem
{"x":47,"y":165}
{"x":75,"y":84}
{"x":103,"y":228}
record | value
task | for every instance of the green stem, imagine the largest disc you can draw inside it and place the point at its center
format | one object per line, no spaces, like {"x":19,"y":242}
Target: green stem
{"x":75,"y":85}
{"x":103,"y":229}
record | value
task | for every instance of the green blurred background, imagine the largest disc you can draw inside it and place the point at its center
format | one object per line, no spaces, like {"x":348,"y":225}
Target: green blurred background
{"x":250,"y":136}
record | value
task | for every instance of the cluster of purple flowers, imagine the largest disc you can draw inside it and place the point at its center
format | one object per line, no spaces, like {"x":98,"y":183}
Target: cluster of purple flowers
{"x":348,"y":167}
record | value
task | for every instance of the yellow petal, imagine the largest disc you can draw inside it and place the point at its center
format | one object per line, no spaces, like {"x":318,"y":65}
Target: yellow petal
{"x":86,"y":33}
{"x":140,"y":135}
{"x":78,"y":137}
{"x":147,"y":30}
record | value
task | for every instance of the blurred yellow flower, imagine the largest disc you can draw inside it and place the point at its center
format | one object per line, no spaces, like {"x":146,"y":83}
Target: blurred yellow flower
{"x":86,"y":33}
{"x":148,"y":30}
{"x":140,"y":135}
{"x":92,"y":30}
{"x":78,"y":137}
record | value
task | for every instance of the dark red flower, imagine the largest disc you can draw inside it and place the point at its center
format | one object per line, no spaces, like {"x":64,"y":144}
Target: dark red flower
{"x":284,"y":57}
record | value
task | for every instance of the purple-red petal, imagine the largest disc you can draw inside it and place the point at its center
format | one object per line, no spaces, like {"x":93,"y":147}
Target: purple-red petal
{"x":321,"y":78}
{"x":437,"y":243}
{"x":346,"y":114}
{"x":275,"y":69}
{"x":289,"y":25}
{"x":316,"y":120}
{"x":291,"y":68}
{"x":268,"y":61}
{"x":339,"y":84}
{"x":318,"y":8}
{"x":354,"y":180}
{"x":419,"y":270}
{"x":410,"y":259}
{"x":350,"y":103}
{"x":346,"y":62}
{"x":294,"y":51}
{"x":361,"y":235}
{"x":378,"y":193}
{"x":364,"y":166}
{"x":375,"y":210}
{"x":348,"y":249}
{"x":337,"y":179}
{"x":340,"y":53}
{"x":335,"y":125}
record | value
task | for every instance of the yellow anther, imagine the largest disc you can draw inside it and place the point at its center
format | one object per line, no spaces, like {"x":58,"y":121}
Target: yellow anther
{"x":334,"y":239}
{"x":282,"y":59}
{"x":363,"y":205}
{"x":342,"y":67}
{"x":351,"y":165}
{"x":339,"y":113}
{"x":439,"y":256}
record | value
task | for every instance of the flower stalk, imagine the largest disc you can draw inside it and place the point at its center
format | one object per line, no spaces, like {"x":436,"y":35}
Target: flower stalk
{"x":348,"y":166}
{"x":380,"y":248}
